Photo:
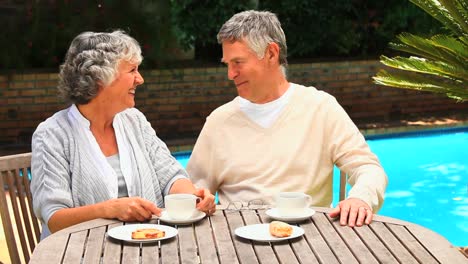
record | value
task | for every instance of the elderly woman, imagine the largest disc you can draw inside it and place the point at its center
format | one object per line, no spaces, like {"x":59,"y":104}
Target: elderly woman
{"x":100,"y":158}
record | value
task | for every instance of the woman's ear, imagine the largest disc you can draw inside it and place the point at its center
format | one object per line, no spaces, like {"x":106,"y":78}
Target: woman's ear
{"x":100,"y":85}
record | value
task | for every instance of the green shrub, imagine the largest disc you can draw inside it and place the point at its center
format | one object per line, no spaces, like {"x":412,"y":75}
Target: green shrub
{"x":37,"y":34}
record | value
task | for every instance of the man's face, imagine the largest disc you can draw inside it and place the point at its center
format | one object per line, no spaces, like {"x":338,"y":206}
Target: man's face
{"x":249,"y":73}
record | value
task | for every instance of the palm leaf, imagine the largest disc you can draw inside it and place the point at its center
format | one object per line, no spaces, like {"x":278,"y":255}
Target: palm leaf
{"x":405,"y":80}
{"x":430,"y":49}
{"x":441,"y":64}
{"x":457,"y":12}
{"x":439,"y":12}
{"x":454,"y":45}
{"x":421,"y":65}
{"x":464,"y":40}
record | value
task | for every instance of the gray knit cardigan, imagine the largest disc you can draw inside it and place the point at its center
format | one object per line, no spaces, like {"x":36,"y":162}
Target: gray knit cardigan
{"x":67,"y":173}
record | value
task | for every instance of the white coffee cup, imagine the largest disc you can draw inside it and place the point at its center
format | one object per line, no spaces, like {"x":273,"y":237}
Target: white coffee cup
{"x":291,"y":204}
{"x":180,"y":206}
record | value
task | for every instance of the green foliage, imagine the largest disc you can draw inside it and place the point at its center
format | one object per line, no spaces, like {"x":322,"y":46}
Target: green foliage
{"x":39,"y":32}
{"x":314,"y":28}
{"x":198,"y":21}
{"x":440,"y":63}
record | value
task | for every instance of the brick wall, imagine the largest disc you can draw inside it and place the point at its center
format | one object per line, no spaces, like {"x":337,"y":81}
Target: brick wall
{"x":176,"y":101}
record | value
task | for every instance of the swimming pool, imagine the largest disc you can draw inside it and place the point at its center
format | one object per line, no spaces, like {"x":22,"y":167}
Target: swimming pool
{"x":428,"y":179}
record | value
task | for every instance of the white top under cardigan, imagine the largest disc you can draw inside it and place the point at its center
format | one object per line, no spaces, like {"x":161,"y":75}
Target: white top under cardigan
{"x":69,"y":169}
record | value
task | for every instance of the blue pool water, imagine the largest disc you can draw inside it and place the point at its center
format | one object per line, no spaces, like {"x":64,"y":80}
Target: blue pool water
{"x":428,"y":180}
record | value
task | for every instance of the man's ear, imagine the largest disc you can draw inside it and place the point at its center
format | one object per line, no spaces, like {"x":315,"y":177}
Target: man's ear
{"x":272,"y":52}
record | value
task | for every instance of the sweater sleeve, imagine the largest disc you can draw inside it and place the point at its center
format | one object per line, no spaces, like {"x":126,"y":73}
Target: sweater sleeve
{"x":201,"y":165}
{"x":167,"y":168}
{"x":50,"y":182}
{"x":352,"y":155}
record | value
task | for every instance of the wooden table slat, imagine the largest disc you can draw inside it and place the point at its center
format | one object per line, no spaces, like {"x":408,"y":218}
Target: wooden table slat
{"x":150,"y":251}
{"x":284,"y":251}
{"x":223,"y":238}
{"x":303,"y":252}
{"x":334,"y":241}
{"x":390,"y":241}
{"x":75,"y":247}
{"x":112,"y":248}
{"x":58,"y":243}
{"x":94,"y":245}
{"x":439,"y":247}
{"x":373,"y":242}
{"x":169,"y":251}
{"x":213,"y":241}
{"x":412,"y":244}
{"x":205,"y":240}
{"x":317,"y":243}
{"x":301,"y":248}
{"x":244,"y":249}
{"x":263,"y":251}
{"x":188,"y":248}
{"x":354,"y":242}
{"x":131,"y":252}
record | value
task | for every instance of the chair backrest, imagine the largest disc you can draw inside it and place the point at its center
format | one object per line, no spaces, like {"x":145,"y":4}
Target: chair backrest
{"x":19,"y":222}
{"x":343,"y":181}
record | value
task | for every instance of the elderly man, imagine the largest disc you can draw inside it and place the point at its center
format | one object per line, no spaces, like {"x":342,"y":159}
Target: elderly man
{"x":279,"y":136}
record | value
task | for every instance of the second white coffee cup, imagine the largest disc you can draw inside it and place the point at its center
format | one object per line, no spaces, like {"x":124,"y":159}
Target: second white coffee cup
{"x":180,"y":206}
{"x":290,"y":204}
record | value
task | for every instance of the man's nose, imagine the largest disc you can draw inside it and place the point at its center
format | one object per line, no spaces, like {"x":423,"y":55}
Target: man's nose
{"x":232,"y":73}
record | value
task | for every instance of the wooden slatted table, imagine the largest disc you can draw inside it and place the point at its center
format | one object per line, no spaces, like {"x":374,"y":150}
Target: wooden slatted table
{"x":212,"y":240}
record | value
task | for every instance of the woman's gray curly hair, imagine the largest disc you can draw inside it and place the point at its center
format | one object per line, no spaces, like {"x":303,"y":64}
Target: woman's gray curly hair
{"x":92,"y":61}
{"x":258,"y":29}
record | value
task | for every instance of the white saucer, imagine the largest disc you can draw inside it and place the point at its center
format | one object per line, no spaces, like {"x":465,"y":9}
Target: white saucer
{"x":273,"y":213}
{"x":261,"y":232}
{"x":125,"y":232}
{"x":198,"y":215}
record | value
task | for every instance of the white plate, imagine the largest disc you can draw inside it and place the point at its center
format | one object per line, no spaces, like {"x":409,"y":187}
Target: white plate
{"x":273,"y":213}
{"x":125,"y":232}
{"x":261,"y":232}
{"x":198,"y":215}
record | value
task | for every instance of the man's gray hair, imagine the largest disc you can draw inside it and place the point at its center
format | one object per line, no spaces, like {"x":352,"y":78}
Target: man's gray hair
{"x":258,"y":29}
{"x":92,"y":60}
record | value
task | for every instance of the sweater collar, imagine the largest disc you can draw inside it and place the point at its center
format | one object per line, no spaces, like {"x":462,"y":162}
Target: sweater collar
{"x":76,"y":115}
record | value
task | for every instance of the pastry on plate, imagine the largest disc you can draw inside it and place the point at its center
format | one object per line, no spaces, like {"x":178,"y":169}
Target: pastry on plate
{"x":148,"y":233}
{"x":280,"y":229}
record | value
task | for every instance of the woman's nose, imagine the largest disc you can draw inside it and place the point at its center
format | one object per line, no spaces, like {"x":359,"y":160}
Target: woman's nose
{"x":139,"y":79}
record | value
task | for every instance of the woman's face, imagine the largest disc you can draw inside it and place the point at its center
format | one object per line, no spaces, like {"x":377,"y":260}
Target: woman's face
{"x":120,"y":94}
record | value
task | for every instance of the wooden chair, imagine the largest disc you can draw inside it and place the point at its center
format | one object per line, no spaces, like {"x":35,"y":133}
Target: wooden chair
{"x":19,"y":221}
{"x":343,"y":179}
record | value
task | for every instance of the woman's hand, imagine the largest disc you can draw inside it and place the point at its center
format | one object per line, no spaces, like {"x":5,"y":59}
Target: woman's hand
{"x":206,"y":204}
{"x":131,"y":209}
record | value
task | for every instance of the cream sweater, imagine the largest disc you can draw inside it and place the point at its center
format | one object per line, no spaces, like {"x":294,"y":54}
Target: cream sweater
{"x":244,"y":161}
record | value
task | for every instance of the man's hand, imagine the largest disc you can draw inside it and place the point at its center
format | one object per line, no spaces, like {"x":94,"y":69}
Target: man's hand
{"x":353,"y":212}
{"x":206,"y":204}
